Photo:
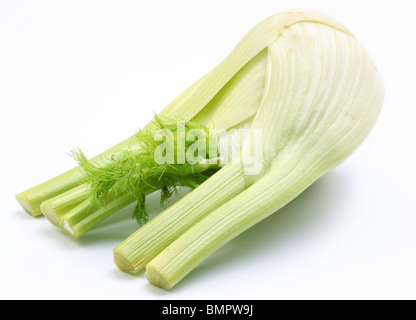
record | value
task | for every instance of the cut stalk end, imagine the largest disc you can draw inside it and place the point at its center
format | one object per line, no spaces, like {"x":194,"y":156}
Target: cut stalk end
{"x":124,"y":264}
{"x":50,"y":214}
{"x":69,"y":230}
{"x":157,"y":279}
{"x":25,"y":203}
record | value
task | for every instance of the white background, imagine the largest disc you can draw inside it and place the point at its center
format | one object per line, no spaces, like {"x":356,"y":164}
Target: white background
{"x":89,"y":73}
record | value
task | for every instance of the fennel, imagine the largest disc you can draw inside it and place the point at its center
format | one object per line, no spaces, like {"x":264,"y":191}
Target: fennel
{"x":298,"y":77}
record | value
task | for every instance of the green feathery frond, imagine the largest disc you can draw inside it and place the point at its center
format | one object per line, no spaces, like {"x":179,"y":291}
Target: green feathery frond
{"x":138,"y":169}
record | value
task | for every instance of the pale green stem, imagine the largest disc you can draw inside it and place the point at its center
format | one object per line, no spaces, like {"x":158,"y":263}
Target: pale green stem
{"x":85,"y":216}
{"x":32,"y":199}
{"x":55,"y":208}
{"x":75,"y":212}
{"x":137,"y":250}
{"x":282,"y":184}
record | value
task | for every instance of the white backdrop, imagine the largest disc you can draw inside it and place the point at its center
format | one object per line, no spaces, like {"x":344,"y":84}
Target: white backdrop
{"x":89,"y":73}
